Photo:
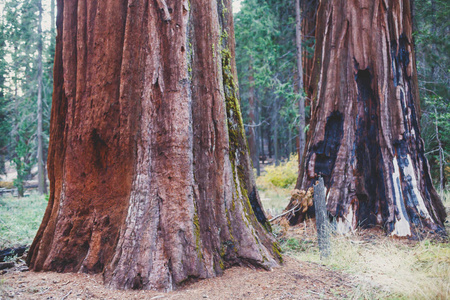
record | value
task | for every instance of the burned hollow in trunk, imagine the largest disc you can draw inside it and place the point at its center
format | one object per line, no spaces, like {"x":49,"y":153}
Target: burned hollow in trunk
{"x":365,"y":138}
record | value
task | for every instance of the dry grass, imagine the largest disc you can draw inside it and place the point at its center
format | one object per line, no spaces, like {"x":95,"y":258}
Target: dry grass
{"x":276,"y":183}
{"x":421,"y":271}
{"x":275,"y":200}
{"x":7,"y":184}
{"x":382,"y":267}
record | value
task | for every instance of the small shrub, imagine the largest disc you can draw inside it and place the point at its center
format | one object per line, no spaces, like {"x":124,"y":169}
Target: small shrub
{"x":291,"y":244}
{"x":296,"y":245}
{"x":282,"y":176}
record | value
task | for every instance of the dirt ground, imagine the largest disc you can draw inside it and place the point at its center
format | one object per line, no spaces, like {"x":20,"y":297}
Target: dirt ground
{"x":294,"y":280}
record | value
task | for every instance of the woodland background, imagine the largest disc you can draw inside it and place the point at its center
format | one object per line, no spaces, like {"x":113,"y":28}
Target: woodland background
{"x":266,"y":62}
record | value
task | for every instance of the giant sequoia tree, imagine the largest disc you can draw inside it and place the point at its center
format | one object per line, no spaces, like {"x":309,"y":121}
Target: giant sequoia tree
{"x":150,"y":177}
{"x":365,"y":137}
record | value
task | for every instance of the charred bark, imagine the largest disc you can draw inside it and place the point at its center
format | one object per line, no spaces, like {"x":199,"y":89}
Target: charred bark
{"x":150,"y":177}
{"x":365,"y":137}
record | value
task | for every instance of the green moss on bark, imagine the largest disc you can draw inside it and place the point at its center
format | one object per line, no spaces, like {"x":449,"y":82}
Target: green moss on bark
{"x":277,"y":250}
{"x":235,"y":131}
{"x":198,"y":243}
{"x":238,"y":141}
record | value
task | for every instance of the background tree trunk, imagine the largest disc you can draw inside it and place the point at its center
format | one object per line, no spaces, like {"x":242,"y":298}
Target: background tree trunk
{"x":151,"y":180}
{"x":441,"y":157}
{"x":42,"y":185}
{"x":52,"y":15}
{"x":253,"y":128}
{"x":19,"y":182}
{"x":262,"y":143}
{"x":365,"y":137}
{"x":275,"y":133}
{"x":301,"y":101}
{"x":269,"y":138}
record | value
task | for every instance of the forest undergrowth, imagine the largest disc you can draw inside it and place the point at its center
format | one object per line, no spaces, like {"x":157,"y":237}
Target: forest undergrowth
{"x":383,"y":267}
{"x":20,"y":219}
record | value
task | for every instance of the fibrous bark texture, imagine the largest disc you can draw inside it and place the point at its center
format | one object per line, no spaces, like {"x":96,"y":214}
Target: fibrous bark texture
{"x":150,"y":175}
{"x":365,"y":137}
{"x":308,"y":27}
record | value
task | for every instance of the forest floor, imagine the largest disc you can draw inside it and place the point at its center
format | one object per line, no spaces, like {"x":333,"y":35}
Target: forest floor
{"x":294,"y":280}
{"x":365,"y":264}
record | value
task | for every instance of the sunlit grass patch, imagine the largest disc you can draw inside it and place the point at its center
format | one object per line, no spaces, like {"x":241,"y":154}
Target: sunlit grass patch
{"x":276,"y":183}
{"x":20,"y":219}
{"x":383,"y":267}
{"x":275,"y":200}
{"x":283,"y":176}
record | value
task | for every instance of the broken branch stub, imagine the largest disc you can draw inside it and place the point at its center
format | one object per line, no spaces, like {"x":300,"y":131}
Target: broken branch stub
{"x":322,"y":221}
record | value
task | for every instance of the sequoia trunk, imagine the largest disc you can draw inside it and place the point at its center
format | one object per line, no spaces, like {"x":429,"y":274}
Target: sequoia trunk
{"x":365,"y":137}
{"x":308,"y":27}
{"x":150,"y":177}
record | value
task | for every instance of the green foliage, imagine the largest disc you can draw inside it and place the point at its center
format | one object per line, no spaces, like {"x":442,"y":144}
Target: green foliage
{"x":20,"y":219}
{"x":292,"y":245}
{"x":432,"y":51}
{"x":436,"y":111}
{"x":23,"y":161}
{"x":19,"y":61}
{"x":266,"y":63}
{"x":276,"y":183}
{"x":282,"y":176}
{"x":4,"y":125}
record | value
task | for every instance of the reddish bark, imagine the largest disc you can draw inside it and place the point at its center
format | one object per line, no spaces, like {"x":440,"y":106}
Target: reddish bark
{"x":365,"y":136}
{"x":309,"y":12}
{"x":306,"y":13}
{"x":150,"y":175}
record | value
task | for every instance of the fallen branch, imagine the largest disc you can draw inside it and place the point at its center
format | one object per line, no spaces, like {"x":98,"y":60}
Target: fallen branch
{"x":44,"y":291}
{"x":312,"y":292}
{"x":285,"y":213}
{"x":6,"y":265}
{"x":11,"y":252}
{"x":67,"y":295}
{"x":304,"y":200}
